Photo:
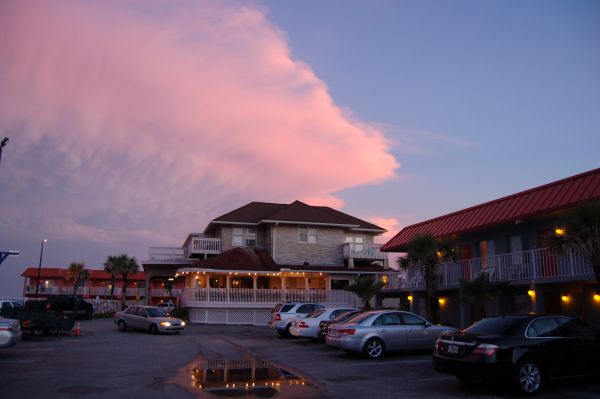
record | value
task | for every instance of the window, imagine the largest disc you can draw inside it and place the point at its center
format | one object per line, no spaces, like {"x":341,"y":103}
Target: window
{"x":244,"y":237}
{"x":389,"y":319}
{"x":356,"y":243}
{"x":131,"y":310}
{"x":576,"y":329}
{"x":238,"y":237}
{"x":141,"y":312}
{"x":413,"y":320}
{"x":250,"y":238}
{"x":339,"y":284}
{"x":544,"y":327}
{"x":307,"y":235}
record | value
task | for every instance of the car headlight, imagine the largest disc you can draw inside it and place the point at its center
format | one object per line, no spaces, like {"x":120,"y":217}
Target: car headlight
{"x":165,"y":323}
{"x":183,"y":323}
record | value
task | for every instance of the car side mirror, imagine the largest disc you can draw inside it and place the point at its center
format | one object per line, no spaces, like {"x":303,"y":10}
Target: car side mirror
{"x":428,"y":324}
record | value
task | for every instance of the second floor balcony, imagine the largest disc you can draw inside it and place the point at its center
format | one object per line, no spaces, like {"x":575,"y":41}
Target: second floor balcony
{"x":363,"y":251}
{"x":539,"y":265}
{"x":197,"y":248}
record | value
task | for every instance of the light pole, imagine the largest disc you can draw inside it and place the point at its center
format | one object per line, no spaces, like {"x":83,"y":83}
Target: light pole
{"x":2,"y":145}
{"x":37,"y":287}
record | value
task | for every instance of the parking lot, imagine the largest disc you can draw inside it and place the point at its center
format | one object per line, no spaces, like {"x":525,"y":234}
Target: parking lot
{"x":222,"y":361}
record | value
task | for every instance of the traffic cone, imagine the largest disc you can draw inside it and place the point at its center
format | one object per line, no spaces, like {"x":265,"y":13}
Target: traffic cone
{"x":77,"y":330}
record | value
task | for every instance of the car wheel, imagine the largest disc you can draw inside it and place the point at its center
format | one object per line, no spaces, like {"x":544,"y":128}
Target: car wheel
{"x":466,"y":380}
{"x":528,"y":377}
{"x":153,"y":329}
{"x":286,"y":332}
{"x":281,"y":332}
{"x":374,"y":348}
{"x":89,"y":314}
{"x":37,"y":331}
{"x":122,"y":326}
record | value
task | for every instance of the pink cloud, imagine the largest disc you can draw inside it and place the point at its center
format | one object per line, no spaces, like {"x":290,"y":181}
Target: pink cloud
{"x":145,"y":117}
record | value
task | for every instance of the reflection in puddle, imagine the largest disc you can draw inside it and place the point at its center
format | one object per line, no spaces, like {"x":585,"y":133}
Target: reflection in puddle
{"x":242,"y":378}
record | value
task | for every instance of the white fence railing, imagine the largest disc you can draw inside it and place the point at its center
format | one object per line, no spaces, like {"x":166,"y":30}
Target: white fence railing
{"x":248,"y":295}
{"x":91,"y":291}
{"x":363,"y":251}
{"x":204,"y":245}
{"x":537,"y":265}
{"x":161,"y":292}
{"x":167,"y":253}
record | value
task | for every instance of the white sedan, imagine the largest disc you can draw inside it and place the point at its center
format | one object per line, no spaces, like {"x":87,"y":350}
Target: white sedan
{"x":308,"y":326}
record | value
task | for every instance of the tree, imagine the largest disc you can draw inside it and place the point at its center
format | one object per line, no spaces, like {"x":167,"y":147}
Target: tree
{"x":111,"y":266}
{"x":78,"y":275}
{"x":426,"y":252}
{"x":123,"y":265}
{"x":365,"y":288}
{"x":479,"y":292}
{"x":580,"y":230}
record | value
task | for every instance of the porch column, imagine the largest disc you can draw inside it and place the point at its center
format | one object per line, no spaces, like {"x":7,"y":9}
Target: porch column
{"x":148,"y":290}
{"x":282,"y":288}
{"x":306,"y":289}
{"x":207,"y":282}
{"x":254,"y":288}
{"x":228,"y":286}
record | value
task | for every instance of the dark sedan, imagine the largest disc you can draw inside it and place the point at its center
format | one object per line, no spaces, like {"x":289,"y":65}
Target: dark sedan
{"x":324,"y":324}
{"x":523,"y":350}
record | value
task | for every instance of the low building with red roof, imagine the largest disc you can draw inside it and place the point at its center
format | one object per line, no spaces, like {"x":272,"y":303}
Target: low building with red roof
{"x":507,"y":238}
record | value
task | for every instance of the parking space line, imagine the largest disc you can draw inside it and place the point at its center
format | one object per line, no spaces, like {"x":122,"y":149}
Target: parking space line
{"x":385,"y":363}
{"x":17,"y":361}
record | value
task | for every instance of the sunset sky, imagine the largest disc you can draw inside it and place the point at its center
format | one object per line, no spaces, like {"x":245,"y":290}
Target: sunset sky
{"x":133,"y":123}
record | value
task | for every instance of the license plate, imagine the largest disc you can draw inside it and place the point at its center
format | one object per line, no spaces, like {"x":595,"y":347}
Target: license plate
{"x":453,"y":349}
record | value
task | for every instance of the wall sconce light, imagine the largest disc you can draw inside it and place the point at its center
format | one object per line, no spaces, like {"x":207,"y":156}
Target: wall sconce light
{"x":442,"y":301}
{"x":565,"y":298}
{"x":597,"y":298}
{"x":410,"y":298}
{"x":560,"y":231}
{"x":531,"y":293}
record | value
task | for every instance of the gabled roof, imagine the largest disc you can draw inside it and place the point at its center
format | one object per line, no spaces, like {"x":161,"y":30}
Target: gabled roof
{"x":247,"y":259}
{"x":297,"y":212}
{"x":552,"y":197}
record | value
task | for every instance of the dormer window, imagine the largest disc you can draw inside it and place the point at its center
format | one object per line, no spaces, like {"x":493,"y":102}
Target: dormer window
{"x":307,"y":235}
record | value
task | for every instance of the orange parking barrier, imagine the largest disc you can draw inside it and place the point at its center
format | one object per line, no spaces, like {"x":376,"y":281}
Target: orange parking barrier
{"x":77,"y":330}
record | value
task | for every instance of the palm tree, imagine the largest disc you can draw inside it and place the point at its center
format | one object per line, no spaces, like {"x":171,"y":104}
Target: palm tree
{"x":365,"y":288}
{"x":111,"y":266}
{"x":426,"y":252}
{"x":127,"y":266}
{"x":78,"y":275}
{"x":580,"y":230}
{"x":479,"y":292}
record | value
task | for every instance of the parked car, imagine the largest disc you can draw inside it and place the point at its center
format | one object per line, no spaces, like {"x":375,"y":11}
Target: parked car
{"x":10,"y":332}
{"x":67,"y":304}
{"x":148,"y":318}
{"x":308,"y":326}
{"x":36,"y":316}
{"x":325,"y":324}
{"x":375,"y":332}
{"x":523,"y":350}
{"x":283,"y":313}
{"x":167,"y":306}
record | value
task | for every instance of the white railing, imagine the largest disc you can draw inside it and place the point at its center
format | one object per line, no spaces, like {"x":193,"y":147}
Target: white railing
{"x":167,"y":253}
{"x":362,"y":251}
{"x":204,"y":245}
{"x":248,"y":295}
{"x":161,"y":292}
{"x":92,"y":291}
{"x":537,"y":265}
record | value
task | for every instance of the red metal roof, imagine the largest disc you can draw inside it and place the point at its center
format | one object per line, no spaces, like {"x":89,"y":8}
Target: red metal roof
{"x":540,"y":200}
{"x":55,"y":272}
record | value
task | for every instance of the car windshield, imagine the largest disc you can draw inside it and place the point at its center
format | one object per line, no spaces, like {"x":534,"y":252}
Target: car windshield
{"x":316,"y":313}
{"x":155,"y":312}
{"x":359,"y":318}
{"x":495,"y":326}
{"x":346,"y":315}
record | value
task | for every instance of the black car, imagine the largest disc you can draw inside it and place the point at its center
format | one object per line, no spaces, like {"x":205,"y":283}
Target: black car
{"x":68,"y":304}
{"x":324,"y":324}
{"x":523,"y":350}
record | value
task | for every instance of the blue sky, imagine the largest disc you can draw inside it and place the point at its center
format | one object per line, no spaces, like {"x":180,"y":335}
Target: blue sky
{"x":475,"y":100}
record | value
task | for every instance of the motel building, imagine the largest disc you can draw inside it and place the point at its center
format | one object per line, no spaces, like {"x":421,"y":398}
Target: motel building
{"x":248,"y":260}
{"x":506,"y":238}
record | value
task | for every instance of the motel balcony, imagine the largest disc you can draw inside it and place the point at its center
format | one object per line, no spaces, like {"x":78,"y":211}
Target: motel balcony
{"x":198,"y":247}
{"x":363,"y":251}
{"x":538,"y":265}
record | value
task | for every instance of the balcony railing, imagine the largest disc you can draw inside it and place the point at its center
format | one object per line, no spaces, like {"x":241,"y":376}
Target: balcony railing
{"x":163,"y":293}
{"x":204,"y":245}
{"x":167,"y":253}
{"x":91,"y":291}
{"x":362,"y":251}
{"x":248,"y":295}
{"x":534,"y":265}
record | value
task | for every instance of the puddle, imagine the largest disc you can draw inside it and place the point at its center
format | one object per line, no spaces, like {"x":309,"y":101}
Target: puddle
{"x":246,"y":378}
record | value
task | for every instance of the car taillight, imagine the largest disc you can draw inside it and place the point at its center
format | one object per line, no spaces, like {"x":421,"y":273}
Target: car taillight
{"x":277,"y":317}
{"x":438,"y":344}
{"x":302,"y":325}
{"x":486,"y":349}
{"x":348,"y":331}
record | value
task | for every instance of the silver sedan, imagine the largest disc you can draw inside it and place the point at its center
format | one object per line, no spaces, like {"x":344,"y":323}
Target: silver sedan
{"x":375,"y":332}
{"x":10,"y":332}
{"x":148,"y":318}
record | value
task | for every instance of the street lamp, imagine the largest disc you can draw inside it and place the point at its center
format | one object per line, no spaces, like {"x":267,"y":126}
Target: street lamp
{"x":3,"y":144}
{"x":37,"y":287}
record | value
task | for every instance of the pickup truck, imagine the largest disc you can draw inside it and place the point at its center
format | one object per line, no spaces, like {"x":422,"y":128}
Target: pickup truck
{"x":35,"y":317}
{"x":71,"y":304}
